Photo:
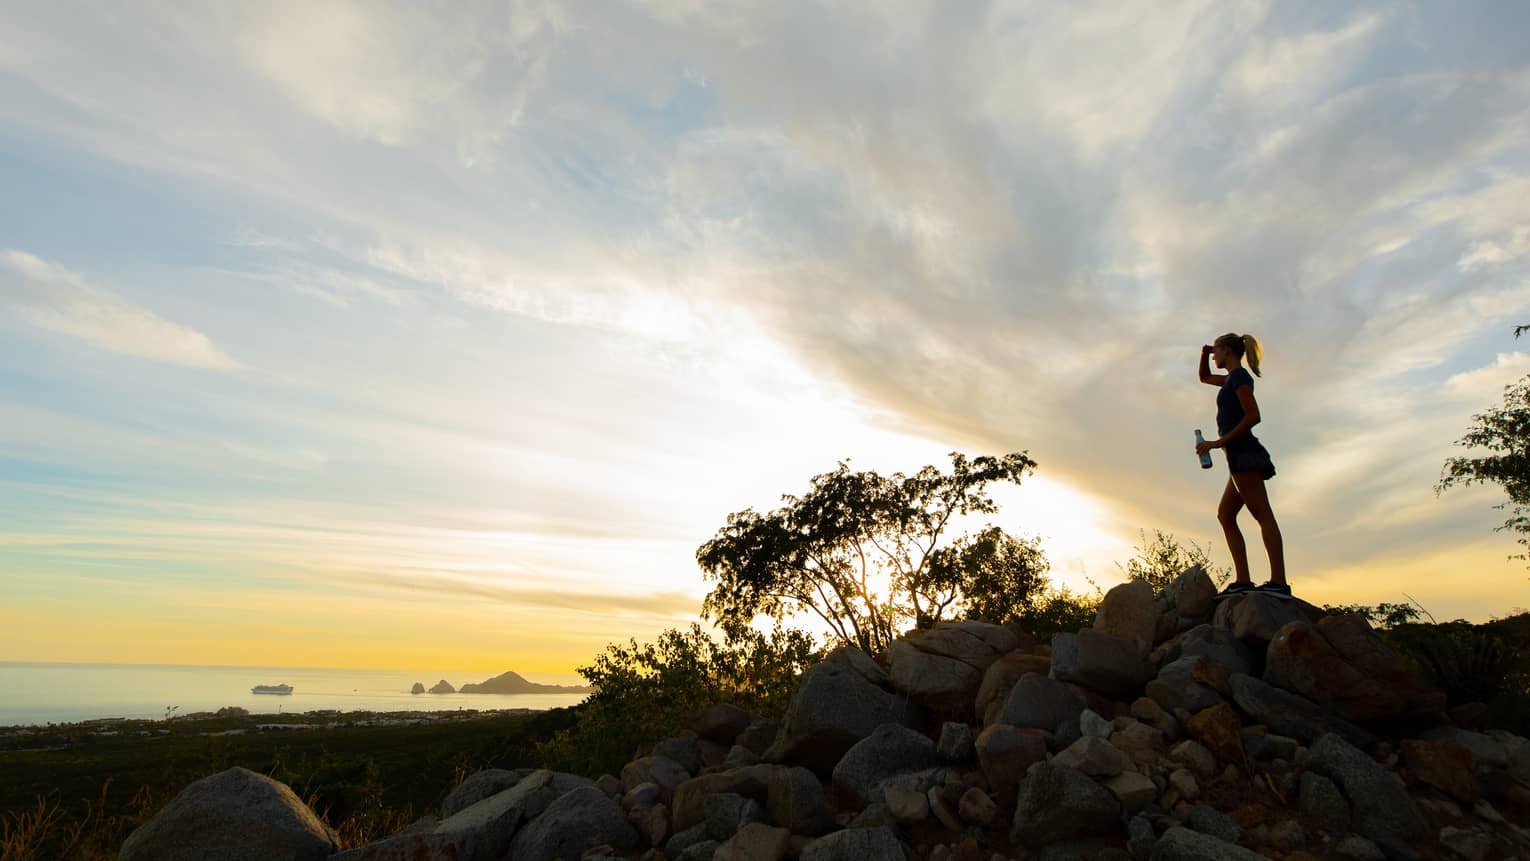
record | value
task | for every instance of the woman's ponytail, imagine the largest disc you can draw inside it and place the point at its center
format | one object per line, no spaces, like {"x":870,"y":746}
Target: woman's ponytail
{"x":1252,"y":352}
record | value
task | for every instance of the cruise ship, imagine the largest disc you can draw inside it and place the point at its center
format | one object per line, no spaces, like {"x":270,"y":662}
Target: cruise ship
{"x":271,"y":689}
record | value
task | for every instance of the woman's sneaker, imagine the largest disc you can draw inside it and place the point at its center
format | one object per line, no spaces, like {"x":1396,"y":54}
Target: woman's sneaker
{"x":1233,"y":589}
{"x":1279,"y":590}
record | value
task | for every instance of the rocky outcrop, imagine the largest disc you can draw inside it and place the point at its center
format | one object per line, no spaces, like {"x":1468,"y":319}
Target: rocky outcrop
{"x":442,"y":687}
{"x":1166,"y":730}
{"x":515,"y":683}
{"x":419,"y":688}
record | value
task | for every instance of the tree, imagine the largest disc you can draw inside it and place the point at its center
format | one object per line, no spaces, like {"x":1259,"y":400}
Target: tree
{"x":1001,"y":577}
{"x":1159,"y":561}
{"x":862,"y":552}
{"x":1504,"y":432}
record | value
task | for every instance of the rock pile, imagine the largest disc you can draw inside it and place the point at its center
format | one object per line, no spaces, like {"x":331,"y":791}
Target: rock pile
{"x":1173,"y":729}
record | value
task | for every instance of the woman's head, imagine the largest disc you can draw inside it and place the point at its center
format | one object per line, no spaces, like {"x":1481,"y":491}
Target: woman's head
{"x":1241,"y":347}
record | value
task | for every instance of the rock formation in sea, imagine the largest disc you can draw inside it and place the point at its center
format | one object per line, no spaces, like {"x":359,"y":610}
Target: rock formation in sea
{"x":514,"y":683}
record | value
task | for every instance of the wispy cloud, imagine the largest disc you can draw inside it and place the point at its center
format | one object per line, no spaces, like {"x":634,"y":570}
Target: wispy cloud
{"x":525,"y":266}
{"x":53,"y":298}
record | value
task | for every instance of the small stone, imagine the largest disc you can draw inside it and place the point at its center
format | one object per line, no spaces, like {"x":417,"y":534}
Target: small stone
{"x":1140,"y":837}
{"x":1134,"y":791}
{"x":1183,"y":782}
{"x":1208,"y":820}
{"x":1183,"y":844}
{"x":1095,"y":757}
{"x":976,"y":807}
{"x":1444,"y":765}
{"x":610,"y":784}
{"x":940,"y":808}
{"x":1320,"y":800}
{"x":756,"y":841}
{"x":1471,"y":845}
{"x":955,"y":742}
{"x":1194,"y":756}
{"x":1091,"y":724}
{"x":1359,"y":849}
{"x":907,"y":806}
{"x":1287,"y":835}
{"x":1219,"y":729}
{"x":1139,"y":741}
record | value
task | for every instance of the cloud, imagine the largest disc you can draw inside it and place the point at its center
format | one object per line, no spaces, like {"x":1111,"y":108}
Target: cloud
{"x":1005,"y":227}
{"x":54,"y":299}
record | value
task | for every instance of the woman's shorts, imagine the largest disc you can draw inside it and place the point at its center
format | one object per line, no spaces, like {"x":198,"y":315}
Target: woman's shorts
{"x":1248,"y":455}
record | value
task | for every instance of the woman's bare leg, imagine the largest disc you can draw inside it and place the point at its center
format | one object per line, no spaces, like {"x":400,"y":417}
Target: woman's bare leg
{"x":1227,"y":515}
{"x":1250,"y":486}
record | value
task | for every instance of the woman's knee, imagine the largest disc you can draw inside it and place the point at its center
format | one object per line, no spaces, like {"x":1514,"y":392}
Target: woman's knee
{"x":1228,"y":516}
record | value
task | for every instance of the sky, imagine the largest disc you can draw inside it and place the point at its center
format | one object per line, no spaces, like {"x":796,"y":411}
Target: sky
{"x":442,"y":334}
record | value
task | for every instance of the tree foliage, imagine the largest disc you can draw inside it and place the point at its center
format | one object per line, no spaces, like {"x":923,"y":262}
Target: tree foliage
{"x":1504,"y":432}
{"x":1163,"y":558}
{"x":646,"y":692}
{"x":1002,"y":577}
{"x":864,"y":552}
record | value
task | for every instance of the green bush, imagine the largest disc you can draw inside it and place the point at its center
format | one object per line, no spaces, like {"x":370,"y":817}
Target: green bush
{"x":1059,"y":610}
{"x":646,"y":692}
{"x":1488,"y":663}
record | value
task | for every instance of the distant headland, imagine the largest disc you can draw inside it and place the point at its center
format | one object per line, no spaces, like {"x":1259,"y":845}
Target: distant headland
{"x":504,"y":683}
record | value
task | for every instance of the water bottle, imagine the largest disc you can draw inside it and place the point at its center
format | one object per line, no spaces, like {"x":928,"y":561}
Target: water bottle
{"x":1205,"y":458}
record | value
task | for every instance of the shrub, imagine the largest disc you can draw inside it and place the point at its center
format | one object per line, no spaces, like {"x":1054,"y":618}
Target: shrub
{"x":645,"y":692}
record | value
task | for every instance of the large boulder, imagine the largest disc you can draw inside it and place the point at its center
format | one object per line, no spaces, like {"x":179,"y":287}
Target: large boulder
{"x":999,"y":679}
{"x":890,"y":749}
{"x":833,"y":708}
{"x":1176,"y":687}
{"x":683,"y":749}
{"x":856,"y":844}
{"x":1380,"y":806}
{"x":755,"y":841}
{"x":485,"y":828}
{"x":1302,"y":661}
{"x":480,"y":785}
{"x":751,"y":781}
{"x":1040,"y":702}
{"x":236,"y":815}
{"x":1291,"y":714}
{"x":934,"y":680}
{"x":659,"y":770}
{"x":796,"y":800}
{"x":1182,"y":844}
{"x":1058,"y":804}
{"x":1354,"y":640}
{"x":578,"y":820}
{"x":408,"y":847}
{"x":1192,"y":592}
{"x":1128,"y":611}
{"x":976,"y":644}
{"x":1218,"y":645}
{"x":719,"y":722}
{"x":861,"y":663}
{"x":1004,"y":753}
{"x":1100,"y":662}
{"x":1256,"y":618}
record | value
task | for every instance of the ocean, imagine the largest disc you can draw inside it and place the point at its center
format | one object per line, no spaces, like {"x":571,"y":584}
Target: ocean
{"x":41,"y":693}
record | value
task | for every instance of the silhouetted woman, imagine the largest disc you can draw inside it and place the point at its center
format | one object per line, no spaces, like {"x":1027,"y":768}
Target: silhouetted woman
{"x":1247,"y":460}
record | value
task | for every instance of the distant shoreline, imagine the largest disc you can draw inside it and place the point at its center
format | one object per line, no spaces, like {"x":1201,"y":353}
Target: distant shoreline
{"x":317,"y":719}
